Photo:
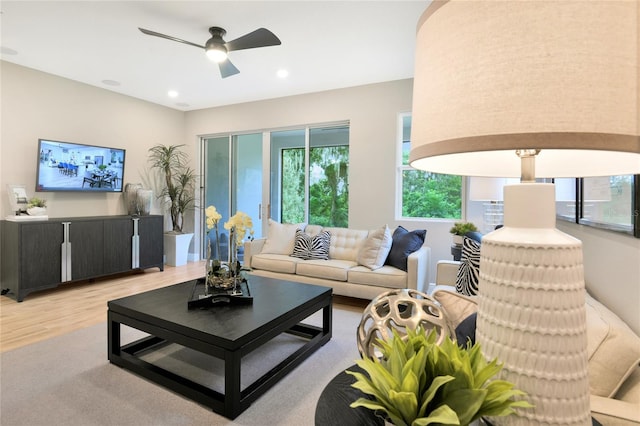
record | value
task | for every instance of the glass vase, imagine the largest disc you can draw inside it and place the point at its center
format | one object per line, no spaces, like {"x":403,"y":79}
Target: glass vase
{"x":223,"y":275}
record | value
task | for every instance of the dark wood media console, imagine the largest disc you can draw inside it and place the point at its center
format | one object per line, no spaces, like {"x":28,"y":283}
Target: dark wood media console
{"x":38,"y":255}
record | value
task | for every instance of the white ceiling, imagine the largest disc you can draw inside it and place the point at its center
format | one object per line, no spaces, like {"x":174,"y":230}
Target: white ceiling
{"x":325,"y":45}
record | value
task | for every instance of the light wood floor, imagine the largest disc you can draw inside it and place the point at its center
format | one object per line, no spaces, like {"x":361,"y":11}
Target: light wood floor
{"x":70,"y":307}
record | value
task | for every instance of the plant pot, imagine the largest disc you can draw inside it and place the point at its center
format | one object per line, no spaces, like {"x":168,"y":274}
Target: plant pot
{"x":37,"y":211}
{"x":176,"y":248}
{"x":457,"y":239}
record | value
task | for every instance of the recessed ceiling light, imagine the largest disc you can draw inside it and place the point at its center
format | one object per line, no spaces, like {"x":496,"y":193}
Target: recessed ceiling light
{"x":111,"y":82}
{"x":282,"y":73}
{"x":7,"y":51}
{"x":173,"y":93}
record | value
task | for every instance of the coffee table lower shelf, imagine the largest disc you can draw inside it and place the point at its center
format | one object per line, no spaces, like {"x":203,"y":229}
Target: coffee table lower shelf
{"x":215,"y":400}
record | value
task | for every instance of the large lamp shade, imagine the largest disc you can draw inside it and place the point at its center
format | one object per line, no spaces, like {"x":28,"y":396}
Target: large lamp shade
{"x":530,"y":89}
{"x":561,"y":76}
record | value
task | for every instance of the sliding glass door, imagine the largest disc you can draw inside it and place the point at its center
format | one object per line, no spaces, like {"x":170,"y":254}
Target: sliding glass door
{"x":232,"y":169}
{"x":311,"y":184}
{"x":292,"y":176}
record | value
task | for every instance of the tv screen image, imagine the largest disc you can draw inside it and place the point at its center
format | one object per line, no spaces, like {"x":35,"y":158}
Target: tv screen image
{"x":66,"y":166}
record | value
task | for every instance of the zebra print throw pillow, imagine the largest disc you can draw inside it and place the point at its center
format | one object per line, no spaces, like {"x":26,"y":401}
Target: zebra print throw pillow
{"x":469,"y":270}
{"x":308,"y":247}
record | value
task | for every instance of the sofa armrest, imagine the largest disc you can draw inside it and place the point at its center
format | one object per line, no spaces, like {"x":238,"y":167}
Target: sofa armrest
{"x":251,"y":248}
{"x":446,"y":272}
{"x":609,"y":411}
{"x":418,"y":269}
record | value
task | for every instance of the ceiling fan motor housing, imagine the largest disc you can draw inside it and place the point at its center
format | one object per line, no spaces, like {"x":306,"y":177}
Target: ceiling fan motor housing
{"x":216,"y":42}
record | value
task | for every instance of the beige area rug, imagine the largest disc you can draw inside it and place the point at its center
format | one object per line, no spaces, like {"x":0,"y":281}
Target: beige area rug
{"x":68,"y":380}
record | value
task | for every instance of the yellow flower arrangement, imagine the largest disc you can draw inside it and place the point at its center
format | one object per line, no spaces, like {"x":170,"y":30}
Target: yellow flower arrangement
{"x":239,"y":225}
{"x":213,"y":217}
{"x":242,"y":223}
{"x":224,"y":274}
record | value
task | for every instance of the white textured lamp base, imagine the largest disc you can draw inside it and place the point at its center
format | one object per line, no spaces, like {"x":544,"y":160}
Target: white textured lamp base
{"x":531,"y":314}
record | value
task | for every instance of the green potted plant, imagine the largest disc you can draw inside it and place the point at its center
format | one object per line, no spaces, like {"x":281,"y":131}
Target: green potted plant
{"x":417,"y":382}
{"x":37,"y":207}
{"x":178,"y":192}
{"x":459,"y":229}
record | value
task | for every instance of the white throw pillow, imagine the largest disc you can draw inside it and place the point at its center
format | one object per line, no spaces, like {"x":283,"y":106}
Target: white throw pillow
{"x":375,"y":249}
{"x":281,"y":237}
{"x":456,"y":306}
{"x":612,"y":347}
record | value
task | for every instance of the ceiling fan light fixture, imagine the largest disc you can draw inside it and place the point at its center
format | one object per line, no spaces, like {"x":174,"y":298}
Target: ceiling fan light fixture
{"x":217,"y":53}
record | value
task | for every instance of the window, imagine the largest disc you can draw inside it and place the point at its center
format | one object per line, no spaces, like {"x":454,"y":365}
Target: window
{"x":609,"y":202}
{"x":423,"y":194}
{"x":312,"y":188}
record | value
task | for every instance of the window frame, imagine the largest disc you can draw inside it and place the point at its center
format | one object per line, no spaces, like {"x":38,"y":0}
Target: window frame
{"x":307,"y":148}
{"x":401,"y":168}
{"x":579,"y":209}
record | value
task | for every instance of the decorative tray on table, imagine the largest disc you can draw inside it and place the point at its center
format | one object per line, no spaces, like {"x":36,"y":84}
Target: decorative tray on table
{"x":206,"y":298}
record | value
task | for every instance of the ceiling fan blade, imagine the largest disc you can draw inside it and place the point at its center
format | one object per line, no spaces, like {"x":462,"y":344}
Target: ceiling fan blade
{"x":227,"y":69}
{"x":261,"y":37}
{"x":155,"y":34}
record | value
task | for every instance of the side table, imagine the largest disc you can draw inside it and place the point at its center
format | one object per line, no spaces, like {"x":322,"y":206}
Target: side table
{"x":456,"y":252}
{"x":333,"y":405}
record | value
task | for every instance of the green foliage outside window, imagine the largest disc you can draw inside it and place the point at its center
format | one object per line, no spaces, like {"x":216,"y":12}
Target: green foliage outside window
{"x":292,"y":184}
{"x":328,"y":186}
{"x":431,"y":195}
{"x":424,"y":194}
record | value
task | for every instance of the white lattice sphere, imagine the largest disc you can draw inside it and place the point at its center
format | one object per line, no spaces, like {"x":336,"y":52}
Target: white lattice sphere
{"x":399,"y":310}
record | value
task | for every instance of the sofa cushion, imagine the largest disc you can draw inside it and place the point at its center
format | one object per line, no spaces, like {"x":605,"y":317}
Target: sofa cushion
{"x":333,"y":269}
{"x":404,"y":243}
{"x":386,"y":276}
{"x":375,"y":249}
{"x":275,"y":262}
{"x":281,"y":237}
{"x":613,"y":349}
{"x":346,"y":243}
{"x":469,"y":270}
{"x":307,"y":247}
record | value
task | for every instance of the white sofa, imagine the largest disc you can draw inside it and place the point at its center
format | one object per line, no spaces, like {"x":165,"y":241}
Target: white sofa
{"x":613,"y":350}
{"x":341,"y":271}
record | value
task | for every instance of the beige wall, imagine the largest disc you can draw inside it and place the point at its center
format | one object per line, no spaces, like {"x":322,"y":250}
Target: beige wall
{"x":39,"y":105}
{"x":36,"y":104}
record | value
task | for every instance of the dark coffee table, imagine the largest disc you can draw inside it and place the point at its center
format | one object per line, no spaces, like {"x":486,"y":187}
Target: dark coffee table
{"x":227,"y":332}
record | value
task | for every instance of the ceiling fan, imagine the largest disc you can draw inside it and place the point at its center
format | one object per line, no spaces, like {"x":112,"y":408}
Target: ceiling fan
{"x":217,"y":49}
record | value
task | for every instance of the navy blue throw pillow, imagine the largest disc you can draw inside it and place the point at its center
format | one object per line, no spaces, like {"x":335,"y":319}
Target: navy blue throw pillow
{"x":466,"y":331}
{"x":403,"y":244}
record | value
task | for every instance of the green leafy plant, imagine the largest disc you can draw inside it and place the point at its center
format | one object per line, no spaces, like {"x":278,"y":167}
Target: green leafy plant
{"x":461,"y":228}
{"x":37,"y":202}
{"x":417,"y":382}
{"x":179,"y":181}
{"x":102,"y":167}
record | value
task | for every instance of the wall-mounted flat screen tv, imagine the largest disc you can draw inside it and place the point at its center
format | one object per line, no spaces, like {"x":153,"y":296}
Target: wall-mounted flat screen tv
{"x":66,"y":166}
